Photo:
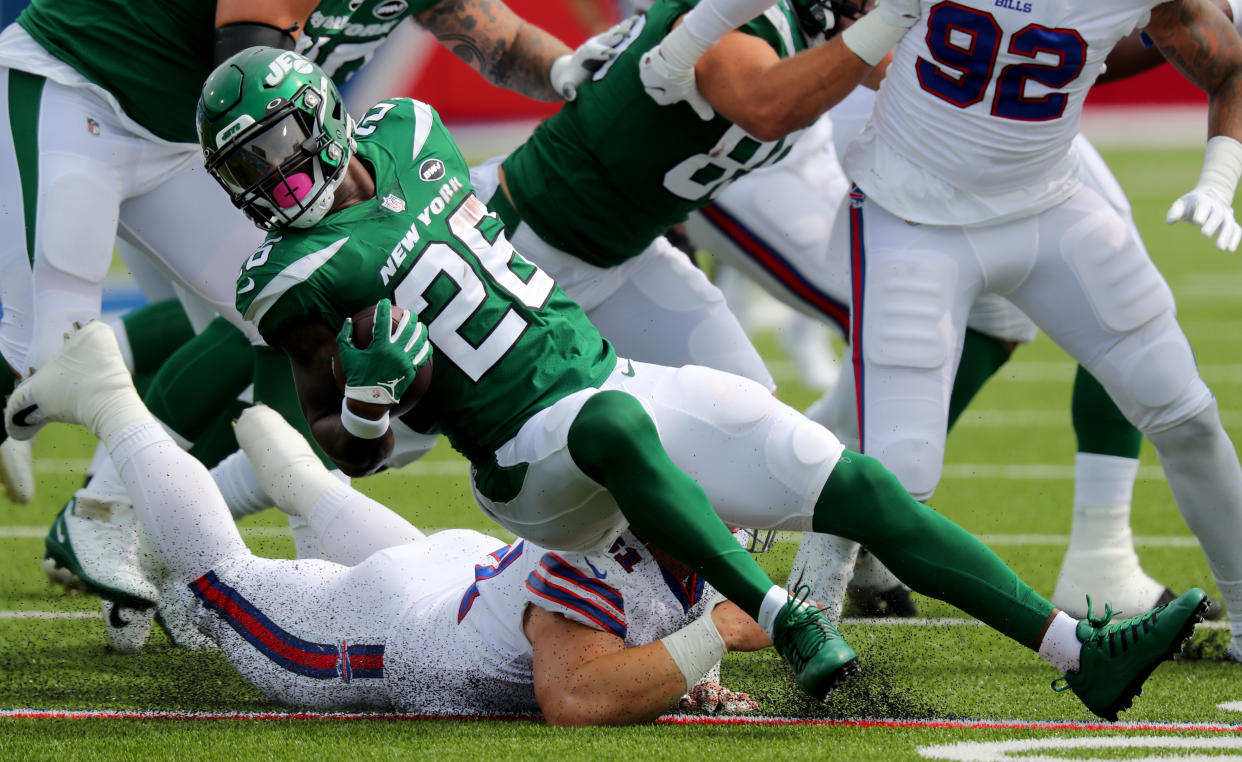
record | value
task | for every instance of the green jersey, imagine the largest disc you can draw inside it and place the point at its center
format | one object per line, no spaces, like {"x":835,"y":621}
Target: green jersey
{"x":154,"y":55}
{"x":612,"y":169}
{"x":507,"y":341}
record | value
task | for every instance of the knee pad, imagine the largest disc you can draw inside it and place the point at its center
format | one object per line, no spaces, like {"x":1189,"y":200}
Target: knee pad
{"x":917,"y":464}
{"x":904,"y":322}
{"x":1123,"y":286}
{"x":82,"y":248}
{"x":1159,"y":382}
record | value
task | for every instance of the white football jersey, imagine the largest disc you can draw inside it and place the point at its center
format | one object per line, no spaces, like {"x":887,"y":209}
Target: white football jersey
{"x":459,"y":647}
{"x":975,"y":119}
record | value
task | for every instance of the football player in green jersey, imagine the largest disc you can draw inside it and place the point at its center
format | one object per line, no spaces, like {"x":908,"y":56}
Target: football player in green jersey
{"x":97,"y":140}
{"x":567,"y":442}
{"x":588,"y":195}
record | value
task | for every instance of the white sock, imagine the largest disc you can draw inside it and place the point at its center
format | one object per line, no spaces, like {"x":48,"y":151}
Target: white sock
{"x":175,"y":499}
{"x":772,"y":602}
{"x":1104,"y":479}
{"x":352,"y":526}
{"x":826,"y":563}
{"x":106,"y":479}
{"x":1232,"y":591}
{"x":1061,"y":646}
{"x":97,"y":460}
{"x":240,"y":486}
{"x":306,"y":541}
{"x":1202,"y":467}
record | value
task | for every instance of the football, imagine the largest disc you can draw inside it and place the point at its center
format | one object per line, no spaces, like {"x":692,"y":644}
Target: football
{"x":364,"y":323}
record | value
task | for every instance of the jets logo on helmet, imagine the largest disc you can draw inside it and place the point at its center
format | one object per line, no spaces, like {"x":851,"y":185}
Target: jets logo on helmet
{"x":276,"y":136}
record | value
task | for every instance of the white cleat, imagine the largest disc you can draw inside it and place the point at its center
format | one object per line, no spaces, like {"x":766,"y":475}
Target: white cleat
{"x":1111,"y":574}
{"x":127,"y":627}
{"x":95,"y":538}
{"x":288,"y":469}
{"x":17,"y":470}
{"x":76,"y":386}
{"x":1234,"y":652}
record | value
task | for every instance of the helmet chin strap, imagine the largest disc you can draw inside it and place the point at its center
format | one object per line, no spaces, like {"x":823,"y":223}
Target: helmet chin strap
{"x":317,"y":211}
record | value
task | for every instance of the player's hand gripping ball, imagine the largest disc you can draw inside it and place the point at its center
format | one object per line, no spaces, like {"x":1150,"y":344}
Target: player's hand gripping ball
{"x":385,"y":357}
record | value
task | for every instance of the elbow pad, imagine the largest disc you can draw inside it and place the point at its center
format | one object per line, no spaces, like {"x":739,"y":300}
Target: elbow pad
{"x":239,"y":35}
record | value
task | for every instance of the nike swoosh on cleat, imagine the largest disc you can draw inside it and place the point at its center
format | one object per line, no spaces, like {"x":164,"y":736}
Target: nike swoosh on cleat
{"x":629,"y":371}
{"x":114,"y":618}
{"x":19,"y":418}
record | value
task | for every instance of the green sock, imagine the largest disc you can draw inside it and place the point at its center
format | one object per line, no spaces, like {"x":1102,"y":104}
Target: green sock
{"x":982,"y":356}
{"x":1098,"y":424}
{"x":274,"y":387}
{"x":154,"y":332}
{"x":864,"y":502}
{"x":201,"y":378}
{"x":218,"y":440}
{"x":615,"y":442}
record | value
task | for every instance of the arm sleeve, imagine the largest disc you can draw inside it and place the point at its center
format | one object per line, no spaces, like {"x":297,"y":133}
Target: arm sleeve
{"x":711,"y":20}
{"x":239,"y":35}
{"x":562,"y":587}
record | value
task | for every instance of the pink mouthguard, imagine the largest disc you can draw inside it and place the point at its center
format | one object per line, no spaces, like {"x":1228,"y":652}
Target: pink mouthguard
{"x":292,"y":190}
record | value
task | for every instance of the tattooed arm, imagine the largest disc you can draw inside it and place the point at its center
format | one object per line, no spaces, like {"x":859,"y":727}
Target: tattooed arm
{"x":497,"y":43}
{"x":1133,"y":56}
{"x":1197,"y":38}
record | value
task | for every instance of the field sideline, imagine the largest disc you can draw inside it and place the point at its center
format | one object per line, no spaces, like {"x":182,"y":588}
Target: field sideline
{"x":938,"y":687}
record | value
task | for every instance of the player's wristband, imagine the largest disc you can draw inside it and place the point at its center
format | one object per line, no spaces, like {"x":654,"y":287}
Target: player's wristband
{"x":363,"y":428}
{"x":1222,"y":166}
{"x":681,"y":49}
{"x":696,"y":648}
{"x":872,"y":36}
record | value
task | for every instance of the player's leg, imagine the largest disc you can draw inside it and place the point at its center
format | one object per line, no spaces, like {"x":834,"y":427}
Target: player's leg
{"x":350,"y":525}
{"x":17,"y":298}
{"x":1110,"y":308}
{"x":665,"y":311}
{"x":149,"y":335}
{"x":581,"y":470}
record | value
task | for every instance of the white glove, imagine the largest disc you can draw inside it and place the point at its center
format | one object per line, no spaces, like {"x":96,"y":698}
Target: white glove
{"x":1213,"y":216}
{"x":667,"y":72}
{"x":572,"y":69}
{"x":1208,"y":205}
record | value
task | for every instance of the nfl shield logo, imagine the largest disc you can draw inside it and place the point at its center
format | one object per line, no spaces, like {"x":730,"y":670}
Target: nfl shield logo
{"x":393,"y":204}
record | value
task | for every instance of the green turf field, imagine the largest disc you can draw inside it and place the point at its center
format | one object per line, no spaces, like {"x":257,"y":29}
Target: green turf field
{"x":1008,"y":478}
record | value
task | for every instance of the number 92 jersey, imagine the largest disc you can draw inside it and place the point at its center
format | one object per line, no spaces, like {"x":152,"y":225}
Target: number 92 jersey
{"x":507,"y":340}
{"x":612,"y":170}
{"x":978,"y":110}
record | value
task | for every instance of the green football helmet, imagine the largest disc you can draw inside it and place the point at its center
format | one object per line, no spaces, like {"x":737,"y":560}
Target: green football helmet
{"x":276,"y":136}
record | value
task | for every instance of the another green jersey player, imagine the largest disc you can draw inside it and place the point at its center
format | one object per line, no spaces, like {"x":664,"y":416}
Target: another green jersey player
{"x":589,"y":194}
{"x":567,"y":442}
{"x":97,"y":140}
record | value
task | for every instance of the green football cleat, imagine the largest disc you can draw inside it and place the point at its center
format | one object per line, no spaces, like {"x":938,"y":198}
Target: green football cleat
{"x":808,"y":640}
{"x":1118,"y":657}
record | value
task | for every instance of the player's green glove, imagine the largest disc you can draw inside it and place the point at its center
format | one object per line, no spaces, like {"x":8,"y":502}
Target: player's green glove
{"x":381,"y":371}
